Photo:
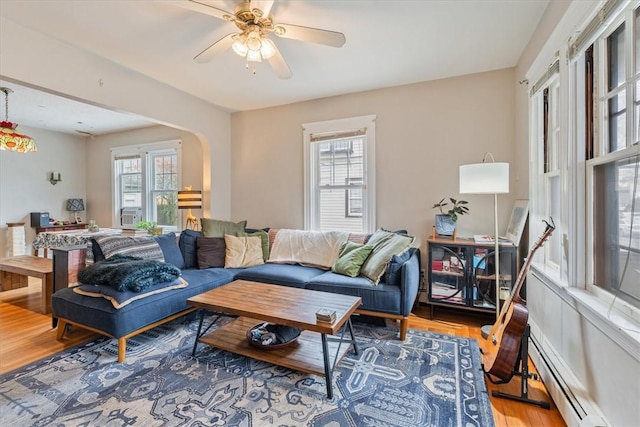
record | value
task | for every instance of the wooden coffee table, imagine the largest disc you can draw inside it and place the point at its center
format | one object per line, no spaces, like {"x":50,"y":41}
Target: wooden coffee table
{"x":259,"y":302}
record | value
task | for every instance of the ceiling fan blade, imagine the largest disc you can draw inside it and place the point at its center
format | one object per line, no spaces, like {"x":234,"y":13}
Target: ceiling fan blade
{"x":279,"y":65}
{"x":203,"y":8}
{"x":313,"y":35}
{"x":264,"y":5}
{"x":216,"y":48}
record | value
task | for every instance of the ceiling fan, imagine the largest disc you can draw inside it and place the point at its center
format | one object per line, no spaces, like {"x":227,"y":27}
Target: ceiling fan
{"x":255,"y":23}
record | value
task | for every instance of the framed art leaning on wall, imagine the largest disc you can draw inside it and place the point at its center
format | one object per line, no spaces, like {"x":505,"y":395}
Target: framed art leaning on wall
{"x":517,"y":222}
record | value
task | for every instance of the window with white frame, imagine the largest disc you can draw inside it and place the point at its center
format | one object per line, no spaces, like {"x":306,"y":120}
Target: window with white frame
{"x":597,"y":184}
{"x":547,"y":171}
{"x":613,"y":168}
{"x":339,"y":179}
{"x":146,"y":179}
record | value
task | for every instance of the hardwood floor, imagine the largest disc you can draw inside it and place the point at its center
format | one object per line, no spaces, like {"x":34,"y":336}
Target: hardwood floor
{"x":26,"y":335}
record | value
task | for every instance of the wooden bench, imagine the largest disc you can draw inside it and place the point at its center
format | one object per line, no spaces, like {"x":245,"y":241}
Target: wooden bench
{"x":24,"y":266}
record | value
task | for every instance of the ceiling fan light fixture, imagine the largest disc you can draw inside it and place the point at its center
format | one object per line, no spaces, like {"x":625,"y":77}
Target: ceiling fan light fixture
{"x":254,"y":56}
{"x":240,"y":47}
{"x":268,"y":49}
{"x":254,"y":41}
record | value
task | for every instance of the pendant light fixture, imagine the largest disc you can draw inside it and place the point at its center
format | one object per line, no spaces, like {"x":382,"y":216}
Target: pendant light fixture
{"x":9,"y":138}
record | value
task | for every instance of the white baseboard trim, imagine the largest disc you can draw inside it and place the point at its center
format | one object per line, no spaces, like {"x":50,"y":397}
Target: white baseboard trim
{"x":573,"y":401}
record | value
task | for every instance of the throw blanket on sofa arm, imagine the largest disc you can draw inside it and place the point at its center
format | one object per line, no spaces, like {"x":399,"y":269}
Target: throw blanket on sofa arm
{"x":128,"y":273}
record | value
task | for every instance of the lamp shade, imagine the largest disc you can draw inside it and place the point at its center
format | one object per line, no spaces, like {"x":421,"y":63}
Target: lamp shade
{"x":75,"y":205}
{"x":189,"y":199}
{"x":484,"y":178}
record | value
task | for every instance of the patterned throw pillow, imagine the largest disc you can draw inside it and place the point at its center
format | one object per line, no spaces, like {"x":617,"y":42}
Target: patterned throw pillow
{"x":145,"y":247}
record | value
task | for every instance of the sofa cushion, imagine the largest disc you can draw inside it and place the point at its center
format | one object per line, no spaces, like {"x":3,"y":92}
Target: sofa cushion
{"x":98,"y":313}
{"x":170,"y":249}
{"x":385,"y":245}
{"x":189,"y":247}
{"x":218,"y":228}
{"x":392,"y":274}
{"x":264,"y":236}
{"x":211,"y":251}
{"x":350,"y":259}
{"x":119,"y":299}
{"x":242,"y":252}
{"x":383,"y":297}
{"x":280,"y":274}
{"x":145,"y":247}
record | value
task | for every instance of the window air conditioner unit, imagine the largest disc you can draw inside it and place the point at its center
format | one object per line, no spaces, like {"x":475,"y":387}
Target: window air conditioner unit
{"x":129,"y":217}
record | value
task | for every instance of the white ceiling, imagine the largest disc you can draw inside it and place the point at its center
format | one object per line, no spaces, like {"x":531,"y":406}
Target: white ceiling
{"x":389,"y":43}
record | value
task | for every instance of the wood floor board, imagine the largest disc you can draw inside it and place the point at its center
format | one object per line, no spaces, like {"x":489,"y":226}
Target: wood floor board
{"x":26,"y":335}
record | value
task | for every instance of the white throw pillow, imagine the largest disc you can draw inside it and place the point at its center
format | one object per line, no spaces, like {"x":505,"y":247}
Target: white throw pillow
{"x":242,"y":251}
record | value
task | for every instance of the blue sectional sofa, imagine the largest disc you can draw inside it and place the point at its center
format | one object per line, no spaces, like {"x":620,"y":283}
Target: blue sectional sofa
{"x":392,"y":298}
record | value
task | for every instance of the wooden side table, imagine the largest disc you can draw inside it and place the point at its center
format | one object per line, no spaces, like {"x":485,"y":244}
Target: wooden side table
{"x":28,"y":265}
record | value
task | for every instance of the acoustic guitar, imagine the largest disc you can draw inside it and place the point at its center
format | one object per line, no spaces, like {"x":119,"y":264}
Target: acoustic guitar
{"x":501,"y":349}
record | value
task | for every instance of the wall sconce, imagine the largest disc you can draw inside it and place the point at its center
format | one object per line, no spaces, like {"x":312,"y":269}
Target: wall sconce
{"x":54,"y":179}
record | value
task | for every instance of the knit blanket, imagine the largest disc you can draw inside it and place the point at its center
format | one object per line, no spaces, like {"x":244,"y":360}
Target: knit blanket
{"x":123,"y":272}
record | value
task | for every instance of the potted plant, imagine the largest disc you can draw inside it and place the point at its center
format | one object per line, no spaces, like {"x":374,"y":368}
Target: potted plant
{"x":151,"y":227}
{"x":446,"y":220}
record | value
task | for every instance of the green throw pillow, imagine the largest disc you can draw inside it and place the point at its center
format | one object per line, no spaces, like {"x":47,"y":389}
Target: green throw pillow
{"x":385,"y":245}
{"x":265,"y":241}
{"x":217,"y":228}
{"x":350,"y":258}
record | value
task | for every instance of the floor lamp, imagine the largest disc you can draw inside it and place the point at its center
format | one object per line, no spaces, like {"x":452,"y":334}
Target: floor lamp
{"x":488,"y":178}
{"x":190,"y":199}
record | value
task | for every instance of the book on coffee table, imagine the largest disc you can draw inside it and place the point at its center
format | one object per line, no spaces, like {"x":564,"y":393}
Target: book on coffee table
{"x":325,"y":315}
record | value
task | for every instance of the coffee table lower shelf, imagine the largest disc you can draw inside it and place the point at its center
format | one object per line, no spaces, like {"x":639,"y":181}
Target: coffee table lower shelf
{"x":305,"y":355}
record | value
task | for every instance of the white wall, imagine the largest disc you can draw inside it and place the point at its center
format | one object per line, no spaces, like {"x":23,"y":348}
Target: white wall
{"x":424,"y":132}
{"x":31,"y":59}
{"x":99,"y":183}
{"x":24,"y":180}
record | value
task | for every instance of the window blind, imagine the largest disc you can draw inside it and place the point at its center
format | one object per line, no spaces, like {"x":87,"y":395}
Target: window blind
{"x":584,"y":38}
{"x":337,"y":136}
{"x":553,"y":69}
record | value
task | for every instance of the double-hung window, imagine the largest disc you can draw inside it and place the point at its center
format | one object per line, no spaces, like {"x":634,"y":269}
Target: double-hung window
{"x":599,"y":170}
{"x":613,"y":167}
{"x":547,"y":173}
{"x":146,"y":179}
{"x":339,"y":179}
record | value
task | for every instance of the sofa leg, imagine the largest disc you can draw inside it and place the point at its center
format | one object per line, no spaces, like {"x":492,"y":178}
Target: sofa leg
{"x":122,"y":349}
{"x":62,"y":328}
{"x":404,"y":325}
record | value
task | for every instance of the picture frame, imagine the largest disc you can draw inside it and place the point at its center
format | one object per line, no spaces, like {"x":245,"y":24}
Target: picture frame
{"x":518,"y":219}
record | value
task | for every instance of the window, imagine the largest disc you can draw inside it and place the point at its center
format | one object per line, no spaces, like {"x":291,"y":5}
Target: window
{"x":546,"y":105}
{"x":585,"y":152}
{"x":613,"y":170}
{"x":339,"y":183}
{"x":146,"y":180}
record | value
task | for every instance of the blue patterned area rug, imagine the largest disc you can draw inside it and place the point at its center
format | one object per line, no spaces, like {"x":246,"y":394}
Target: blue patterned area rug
{"x":428,"y":380}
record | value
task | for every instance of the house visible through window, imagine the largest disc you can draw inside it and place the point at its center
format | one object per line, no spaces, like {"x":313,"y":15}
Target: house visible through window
{"x":146,"y":181}
{"x":339,"y":193}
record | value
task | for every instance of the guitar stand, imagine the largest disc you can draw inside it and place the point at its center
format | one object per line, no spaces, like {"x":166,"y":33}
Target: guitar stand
{"x":524,"y":375}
